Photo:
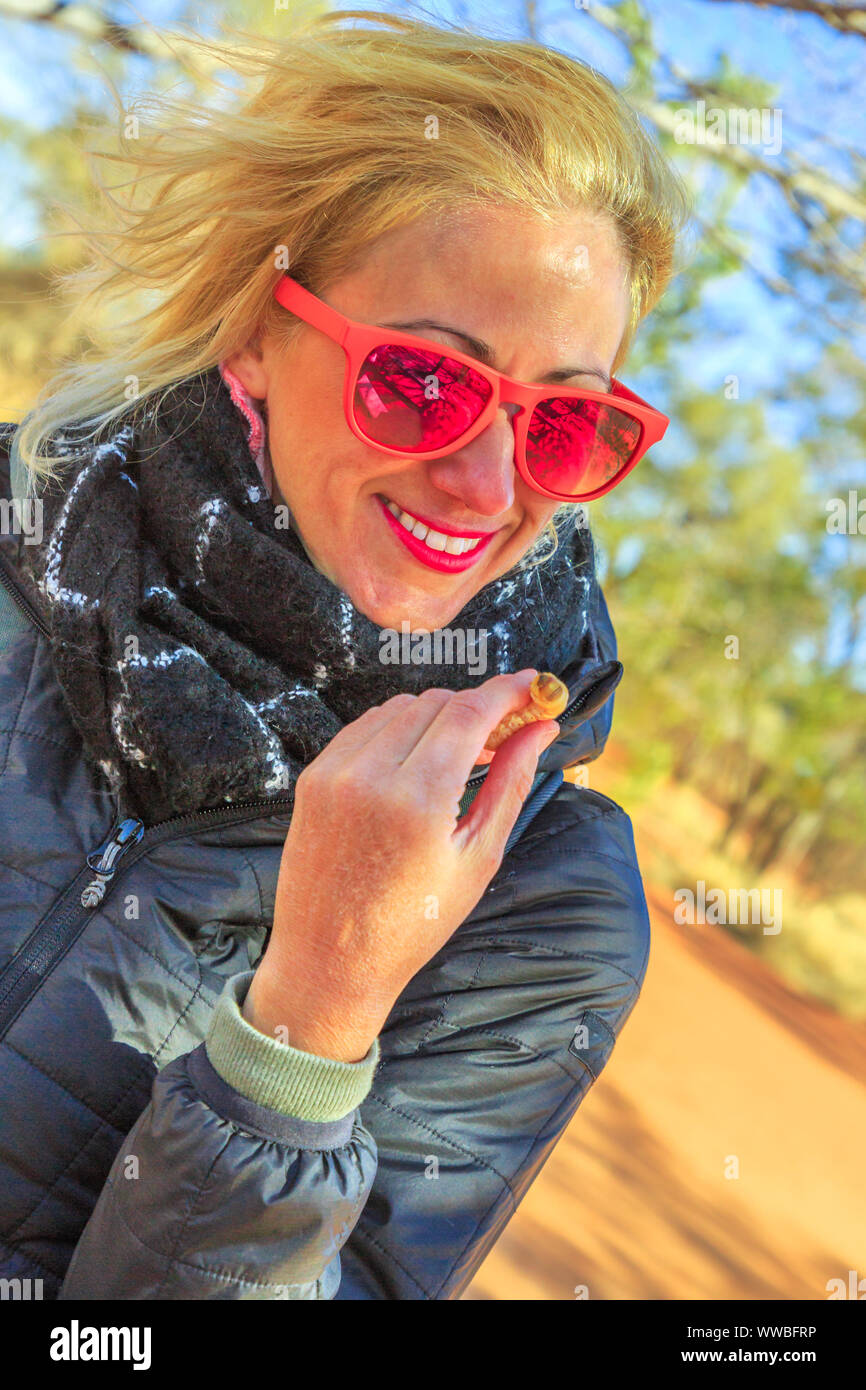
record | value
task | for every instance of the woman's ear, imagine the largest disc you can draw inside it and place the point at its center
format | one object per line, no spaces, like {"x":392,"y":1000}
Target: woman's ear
{"x":250,"y":367}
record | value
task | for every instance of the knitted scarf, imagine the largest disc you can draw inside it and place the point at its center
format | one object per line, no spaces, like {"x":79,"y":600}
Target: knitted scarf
{"x":203,"y":658}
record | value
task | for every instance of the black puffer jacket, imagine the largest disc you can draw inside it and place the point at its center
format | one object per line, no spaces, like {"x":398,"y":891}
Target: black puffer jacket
{"x":130,"y":1168}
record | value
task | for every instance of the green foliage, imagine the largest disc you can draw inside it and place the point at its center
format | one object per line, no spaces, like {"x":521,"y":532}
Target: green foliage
{"x":722,"y":582}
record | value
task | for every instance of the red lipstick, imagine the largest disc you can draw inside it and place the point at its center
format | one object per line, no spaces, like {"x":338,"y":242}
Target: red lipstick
{"x":436,"y":559}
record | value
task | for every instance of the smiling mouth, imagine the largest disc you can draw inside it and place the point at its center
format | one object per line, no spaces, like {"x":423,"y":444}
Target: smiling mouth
{"x":440,"y":550}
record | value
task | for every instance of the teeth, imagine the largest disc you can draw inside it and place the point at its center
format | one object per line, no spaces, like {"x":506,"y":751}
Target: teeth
{"x":437,"y":540}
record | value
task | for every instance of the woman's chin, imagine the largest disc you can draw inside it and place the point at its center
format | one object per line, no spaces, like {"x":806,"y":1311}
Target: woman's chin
{"x":390,"y":600}
{"x":408,"y":609}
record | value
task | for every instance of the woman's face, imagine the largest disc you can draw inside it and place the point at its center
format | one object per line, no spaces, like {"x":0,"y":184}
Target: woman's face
{"x":546,"y":299}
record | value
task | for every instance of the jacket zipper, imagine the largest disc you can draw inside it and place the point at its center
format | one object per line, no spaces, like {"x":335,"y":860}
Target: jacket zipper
{"x":128,"y":840}
{"x":124,"y":835}
{"x":19,"y":598}
{"x":584,"y":696}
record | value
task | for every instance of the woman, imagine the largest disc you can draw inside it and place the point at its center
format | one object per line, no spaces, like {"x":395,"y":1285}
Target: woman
{"x":301,"y":982}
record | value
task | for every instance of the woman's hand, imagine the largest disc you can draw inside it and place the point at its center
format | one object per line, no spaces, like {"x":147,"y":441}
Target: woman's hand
{"x":374,"y":876}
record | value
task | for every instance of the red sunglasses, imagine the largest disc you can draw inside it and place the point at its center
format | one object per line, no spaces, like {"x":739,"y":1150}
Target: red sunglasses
{"x":407,"y":395}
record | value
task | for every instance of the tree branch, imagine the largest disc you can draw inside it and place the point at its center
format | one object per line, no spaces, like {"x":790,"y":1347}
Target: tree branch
{"x":848,"y":19}
{"x":86,"y":22}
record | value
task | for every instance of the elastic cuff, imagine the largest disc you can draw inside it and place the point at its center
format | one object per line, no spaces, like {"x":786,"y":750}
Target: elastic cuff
{"x":272,"y":1074}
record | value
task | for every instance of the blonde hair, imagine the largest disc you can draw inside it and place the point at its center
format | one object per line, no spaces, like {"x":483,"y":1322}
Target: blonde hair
{"x":326,"y":147}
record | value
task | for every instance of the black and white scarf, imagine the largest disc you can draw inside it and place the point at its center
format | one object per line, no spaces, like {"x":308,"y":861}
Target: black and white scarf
{"x":204,"y":659}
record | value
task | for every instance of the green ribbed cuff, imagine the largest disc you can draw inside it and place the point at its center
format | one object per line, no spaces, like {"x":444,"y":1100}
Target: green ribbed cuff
{"x":272,"y":1074}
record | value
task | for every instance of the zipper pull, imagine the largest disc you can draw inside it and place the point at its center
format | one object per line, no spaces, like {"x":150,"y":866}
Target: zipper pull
{"x":592,"y":691}
{"x":103,"y":861}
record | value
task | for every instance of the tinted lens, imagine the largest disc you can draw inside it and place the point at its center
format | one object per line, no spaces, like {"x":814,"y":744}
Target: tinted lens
{"x":410,"y":399}
{"x":574,"y":446}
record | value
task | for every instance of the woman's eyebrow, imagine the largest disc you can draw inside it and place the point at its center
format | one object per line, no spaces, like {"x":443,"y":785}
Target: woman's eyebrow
{"x":476,"y":347}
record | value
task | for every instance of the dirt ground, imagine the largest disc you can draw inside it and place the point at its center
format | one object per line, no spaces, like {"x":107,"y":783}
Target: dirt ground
{"x":720,"y":1153}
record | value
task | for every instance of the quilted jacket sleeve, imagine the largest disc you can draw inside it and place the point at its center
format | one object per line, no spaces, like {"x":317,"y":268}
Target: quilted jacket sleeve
{"x":214,"y":1195}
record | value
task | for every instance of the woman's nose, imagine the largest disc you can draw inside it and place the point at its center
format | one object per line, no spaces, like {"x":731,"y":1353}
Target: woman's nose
{"x":481,"y":473}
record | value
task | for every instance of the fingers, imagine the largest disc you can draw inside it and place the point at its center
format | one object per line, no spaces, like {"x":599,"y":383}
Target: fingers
{"x":409,"y":715}
{"x":447,"y":748}
{"x":492,"y":815}
{"x":438,"y":734}
{"x":356,"y":736}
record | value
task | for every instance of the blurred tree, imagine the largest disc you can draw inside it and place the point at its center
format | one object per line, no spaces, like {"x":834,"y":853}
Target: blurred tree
{"x":86,"y":54}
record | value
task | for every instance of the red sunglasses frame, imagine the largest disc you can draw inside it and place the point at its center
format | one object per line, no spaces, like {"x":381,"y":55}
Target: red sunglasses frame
{"x":358,"y":339}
